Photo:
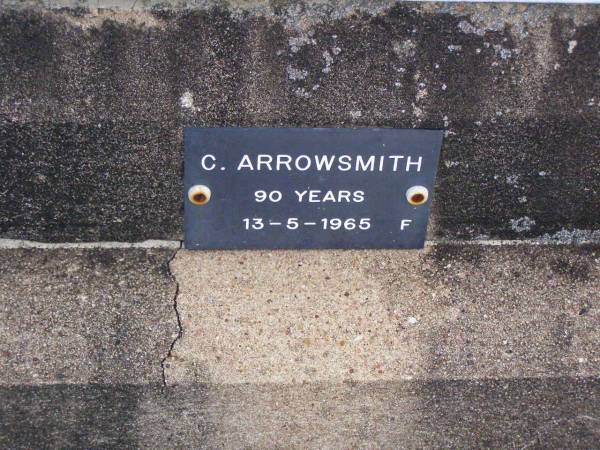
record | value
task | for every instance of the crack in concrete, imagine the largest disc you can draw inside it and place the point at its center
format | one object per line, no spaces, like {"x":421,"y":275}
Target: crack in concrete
{"x":178,"y":317}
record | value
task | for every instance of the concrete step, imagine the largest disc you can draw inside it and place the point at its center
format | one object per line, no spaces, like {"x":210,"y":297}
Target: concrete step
{"x":454,"y":346}
{"x":449,"y":312}
{"x":457,"y":346}
{"x":511,"y":413}
{"x":85,"y":315}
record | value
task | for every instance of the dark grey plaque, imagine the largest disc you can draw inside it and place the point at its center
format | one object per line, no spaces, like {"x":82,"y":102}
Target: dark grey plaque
{"x":308,"y":188}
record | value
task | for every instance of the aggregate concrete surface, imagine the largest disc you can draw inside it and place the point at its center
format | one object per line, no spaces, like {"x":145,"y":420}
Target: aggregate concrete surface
{"x":504,"y":354}
{"x":449,"y":312}
{"x":85,"y":316}
{"x":93,"y":103}
{"x":511,"y":414}
{"x":456,"y":346}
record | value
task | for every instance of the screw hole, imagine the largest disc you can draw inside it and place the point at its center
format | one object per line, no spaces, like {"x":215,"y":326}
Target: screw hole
{"x":199,"y":194}
{"x":417,"y":195}
{"x":199,"y":198}
{"x":417,"y":198}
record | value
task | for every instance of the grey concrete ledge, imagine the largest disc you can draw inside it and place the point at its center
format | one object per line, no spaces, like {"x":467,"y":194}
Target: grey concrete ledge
{"x":577,"y":238}
{"x":19,"y":243}
{"x":109,"y":313}
{"x":339,"y":8}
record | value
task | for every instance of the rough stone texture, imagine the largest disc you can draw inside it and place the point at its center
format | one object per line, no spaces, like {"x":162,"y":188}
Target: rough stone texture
{"x":456,"y":346}
{"x":556,"y":413}
{"x":502,"y":348}
{"x":85,"y":316}
{"x":532,"y":414}
{"x":450,"y":312}
{"x":93,"y":103}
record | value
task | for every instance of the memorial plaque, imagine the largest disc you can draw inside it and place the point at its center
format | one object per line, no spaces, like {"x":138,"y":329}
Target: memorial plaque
{"x":302,"y":188}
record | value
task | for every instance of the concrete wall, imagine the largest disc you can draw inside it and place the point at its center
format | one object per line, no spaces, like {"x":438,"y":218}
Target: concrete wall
{"x":472,"y":342}
{"x":93,"y":103}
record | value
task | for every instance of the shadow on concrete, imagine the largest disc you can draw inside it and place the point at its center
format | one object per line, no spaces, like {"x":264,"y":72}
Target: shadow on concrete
{"x":523,"y":413}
